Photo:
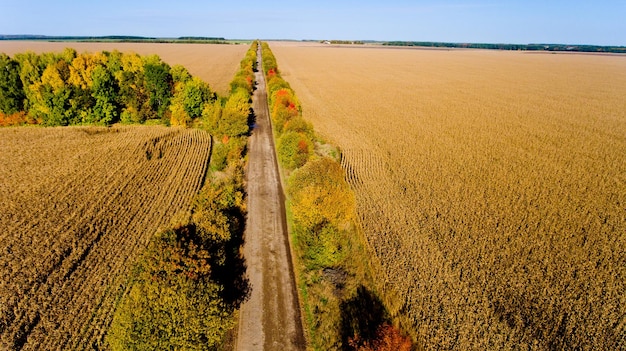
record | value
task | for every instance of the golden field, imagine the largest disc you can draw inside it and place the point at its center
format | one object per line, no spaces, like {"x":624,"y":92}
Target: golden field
{"x":215,"y":64}
{"x":79,"y":205}
{"x":490,"y":185}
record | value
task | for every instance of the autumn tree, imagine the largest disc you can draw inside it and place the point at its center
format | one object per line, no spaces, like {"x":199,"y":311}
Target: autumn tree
{"x":299,"y":125}
{"x":234,"y":119}
{"x":294,"y":149}
{"x":107,"y":87}
{"x":321,"y":194}
{"x":189,"y":100}
{"x":285,"y":106}
{"x":180,"y":74}
{"x":133,"y":94}
{"x":269,"y":61}
{"x":173,"y":302}
{"x":220,"y":206}
{"x":244,"y":79}
{"x":82,"y":67}
{"x":211,"y":116}
{"x":388,"y":338}
{"x":50,"y":99}
{"x":31,"y":68}
{"x":322,"y":207}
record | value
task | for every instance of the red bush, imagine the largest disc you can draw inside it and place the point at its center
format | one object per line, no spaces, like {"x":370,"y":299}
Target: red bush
{"x":388,"y":338}
{"x":15,"y":119}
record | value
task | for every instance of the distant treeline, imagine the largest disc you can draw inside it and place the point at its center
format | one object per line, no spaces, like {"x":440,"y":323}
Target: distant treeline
{"x":117,"y":38}
{"x":355,"y":42}
{"x":524,"y":47}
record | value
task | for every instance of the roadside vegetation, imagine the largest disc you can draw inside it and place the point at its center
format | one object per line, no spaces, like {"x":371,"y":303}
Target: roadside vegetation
{"x":121,"y":237}
{"x":187,"y":285}
{"x":341,"y":308}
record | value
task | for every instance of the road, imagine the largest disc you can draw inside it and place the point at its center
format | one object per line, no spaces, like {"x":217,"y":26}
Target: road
{"x":270,"y":318}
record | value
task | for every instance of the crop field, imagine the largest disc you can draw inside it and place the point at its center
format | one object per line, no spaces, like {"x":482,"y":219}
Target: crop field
{"x":215,"y":64}
{"x":490,"y":185}
{"x":79,"y":204}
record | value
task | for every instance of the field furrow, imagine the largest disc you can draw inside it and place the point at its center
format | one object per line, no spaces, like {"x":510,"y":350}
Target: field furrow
{"x":82,"y":228}
{"x":489,"y":185}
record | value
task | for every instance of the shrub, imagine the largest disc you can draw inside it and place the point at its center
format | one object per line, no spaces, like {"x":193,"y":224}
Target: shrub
{"x":294,"y":150}
{"x":299,"y":125}
{"x":234,"y":121}
{"x":172,"y":304}
{"x":320,"y":195}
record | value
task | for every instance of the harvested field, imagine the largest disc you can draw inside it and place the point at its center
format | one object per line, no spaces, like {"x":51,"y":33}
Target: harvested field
{"x":215,"y":64}
{"x":491,"y":187}
{"x":79,"y":204}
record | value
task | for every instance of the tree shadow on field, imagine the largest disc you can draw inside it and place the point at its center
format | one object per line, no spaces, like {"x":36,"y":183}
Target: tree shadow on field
{"x":361,"y":316}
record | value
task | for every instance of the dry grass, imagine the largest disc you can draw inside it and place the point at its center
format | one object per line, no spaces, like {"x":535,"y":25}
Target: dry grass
{"x":78,"y":205}
{"x":215,"y":64}
{"x":491,"y":187}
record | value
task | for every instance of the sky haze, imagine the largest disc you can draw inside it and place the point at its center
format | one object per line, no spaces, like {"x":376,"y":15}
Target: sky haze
{"x":506,"y":21}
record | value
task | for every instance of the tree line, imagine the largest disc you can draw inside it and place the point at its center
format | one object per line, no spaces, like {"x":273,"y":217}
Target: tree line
{"x":59,"y":89}
{"x":119,"y":39}
{"x":523,"y":47}
{"x":332,"y":266}
{"x":188,"y":283}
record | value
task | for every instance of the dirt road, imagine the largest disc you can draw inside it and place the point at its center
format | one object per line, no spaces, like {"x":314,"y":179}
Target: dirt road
{"x":270,"y":319}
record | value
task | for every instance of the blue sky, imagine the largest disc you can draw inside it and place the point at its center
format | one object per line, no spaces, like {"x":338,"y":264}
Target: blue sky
{"x":505,"y":21}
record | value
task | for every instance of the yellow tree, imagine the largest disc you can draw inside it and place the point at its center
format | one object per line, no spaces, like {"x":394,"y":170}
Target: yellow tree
{"x":320,"y":194}
{"x":81,"y":70}
{"x":323,"y":209}
{"x":188,"y":102}
{"x":50,"y":97}
{"x":133,"y":92}
{"x":234,"y":120}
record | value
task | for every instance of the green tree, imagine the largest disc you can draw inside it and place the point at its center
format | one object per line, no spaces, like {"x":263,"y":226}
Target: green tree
{"x":196,"y":94}
{"x":114,"y":62}
{"x":11,"y":88}
{"x":294,"y":149}
{"x":104,"y":90}
{"x":159,"y":85}
{"x":189,"y":100}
